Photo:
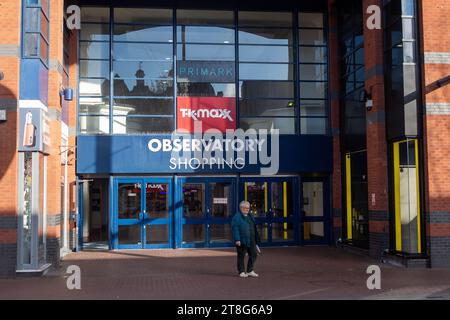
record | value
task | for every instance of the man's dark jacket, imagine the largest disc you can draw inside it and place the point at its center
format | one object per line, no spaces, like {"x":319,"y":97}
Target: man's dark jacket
{"x":241,"y":229}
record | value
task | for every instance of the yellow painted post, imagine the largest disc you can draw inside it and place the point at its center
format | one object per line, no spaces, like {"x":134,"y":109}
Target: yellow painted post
{"x":285,"y":225}
{"x":348,"y":184}
{"x":398,"y":222}
{"x":245,"y":191}
{"x":416,"y":150}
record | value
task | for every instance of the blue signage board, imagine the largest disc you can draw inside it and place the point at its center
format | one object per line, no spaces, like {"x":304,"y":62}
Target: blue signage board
{"x":147,"y":154}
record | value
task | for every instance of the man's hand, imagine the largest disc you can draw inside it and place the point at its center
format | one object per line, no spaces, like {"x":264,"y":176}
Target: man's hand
{"x":238,"y":243}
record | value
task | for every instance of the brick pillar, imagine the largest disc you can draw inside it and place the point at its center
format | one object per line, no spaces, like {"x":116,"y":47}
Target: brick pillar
{"x":436,"y":51}
{"x":9,"y":95}
{"x":377,"y":170}
{"x":334,"y":89}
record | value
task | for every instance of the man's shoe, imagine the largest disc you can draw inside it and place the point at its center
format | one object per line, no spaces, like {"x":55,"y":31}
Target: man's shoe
{"x":252,"y":274}
{"x":243,"y":275}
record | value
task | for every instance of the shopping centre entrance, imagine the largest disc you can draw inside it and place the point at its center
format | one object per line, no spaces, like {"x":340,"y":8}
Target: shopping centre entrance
{"x":196,"y":212}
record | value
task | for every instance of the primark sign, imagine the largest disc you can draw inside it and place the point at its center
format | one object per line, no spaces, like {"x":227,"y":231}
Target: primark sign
{"x":205,"y":71}
{"x":213,"y":150}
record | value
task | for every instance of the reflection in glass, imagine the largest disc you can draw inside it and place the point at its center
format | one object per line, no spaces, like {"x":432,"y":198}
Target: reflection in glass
{"x":204,"y":34}
{"x":313,"y":72}
{"x":281,"y":196}
{"x":205,"y":52}
{"x":151,"y":69}
{"x":257,"y":107}
{"x":313,"y":107}
{"x":221,"y":199}
{"x":129,"y":235}
{"x":129,"y":195}
{"x":285,"y":125}
{"x":144,"y":107}
{"x":143,"y":33}
{"x":263,"y":230}
{"x":142,"y":125}
{"x":310,"y":20}
{"x":157,"y":233}
{"x":193,"y":200}
{"x":313,"y":199}
{"x":144,"y":16}
{"x":266,"y":36}
{"x":94,"y":69}
{"x":95,"y":14}
{"x":157,"y":200}
{"x":269,"y":19}
{"x":193,"y":233}
{"x":93,"y":124}
{"x":265,"y":54}
{"x":283,"y":231}
{"x":266,"y":89}
{"x":142,"y":51}
{"x":261,"y":71}
{"x":206,"y":89}
{"x":313,"y":231}
{"x":312,"y":90}
{"x":94,"y":50}
{"x":94,"y":32}
{"x":205,"y":17}
{"x":27,"y":207}
{"x":312,"y":55}
{"x":94,"y":105}
{"x":313,"y":125}
{"x":220,"y":232}
{"x":94,"y":87}
{"x":311,"y":37}
{"x":256,"y":194}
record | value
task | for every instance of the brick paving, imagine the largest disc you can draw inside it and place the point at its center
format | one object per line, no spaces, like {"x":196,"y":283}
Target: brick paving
{"x":285,"y":273}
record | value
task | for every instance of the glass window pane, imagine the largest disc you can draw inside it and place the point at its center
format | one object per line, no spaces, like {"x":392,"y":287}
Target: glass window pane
{"x":31,"y":44}
{"x":157,"y":233}
{"x":314,"y":72}
{"x":312,"y":54}
{"x":94,"y":69}
{"x":265,"y":54}
{"x":283,"y":231}
{"x":143,"y":51}
{"x":141,"y":15}
{"x":285,"y":125}
{"x":220,"y":233}
{"x":263,"y":230}
{"x":267,"y":108}
{"x":256,"y":194}
{"x":311,"y":37}
{"x":193,"y":200}
{"x":143,"y":33}
{"x":157,"y":200}
{"x":313,"y":199}
{"x":43,"y":49}
{"x":206,"y":89}
{"x":152,"y":69}
{"x":204,"y":34}
{"x":205,"y":17}
{"x":313,"y":90}
{"x":94,"y":50}
{"x":281,"y":196}
{"x":93,"y":125}
{"x":265,"y":36}
{"x":310,"y":20}
{"x":94,"y":32}
{"x":313,"y":125}
{"x":221,"y":199}
{"x":259,"y":71}
{"x":94,"y":87}
{"x":266,"y":89}
{"x":143,"y":87}
{"x":313,"y":231}
{"x":31,"y":19}
{"x":142,"y":125}
{"x":95,"y":14}
{"x":44,"y":26}
{"x":125,"y":107}
{"x":313,"y":107}
{"x":193,"y":233}
{"x":206,"y":52}
{"x":129,"y":204}
{"x":94,"y":105}
{"x":268,"y":19}
{"x":129,"y":235}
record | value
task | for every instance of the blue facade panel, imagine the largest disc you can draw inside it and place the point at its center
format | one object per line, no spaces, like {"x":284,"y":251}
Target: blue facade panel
{"x":33,"y":80}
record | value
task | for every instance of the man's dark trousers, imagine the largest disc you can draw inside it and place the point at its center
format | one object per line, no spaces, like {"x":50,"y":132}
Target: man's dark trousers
{"x":251,"y":250}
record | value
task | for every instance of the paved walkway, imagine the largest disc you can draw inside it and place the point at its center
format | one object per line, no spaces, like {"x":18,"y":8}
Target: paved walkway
{"x":285,"y":273}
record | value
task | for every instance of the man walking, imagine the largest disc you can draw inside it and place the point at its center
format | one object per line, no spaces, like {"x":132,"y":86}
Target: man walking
{"x":246,"y":238}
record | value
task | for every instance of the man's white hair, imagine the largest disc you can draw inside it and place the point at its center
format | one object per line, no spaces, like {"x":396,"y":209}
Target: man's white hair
{"x":244,"y":203}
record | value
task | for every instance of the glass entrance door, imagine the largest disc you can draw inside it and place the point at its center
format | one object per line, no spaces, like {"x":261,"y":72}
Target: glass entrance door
{"x":273,"y":206}
{"x":315,"y":220}
{"x":207,"y":205}
{"x":142,"y":210}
